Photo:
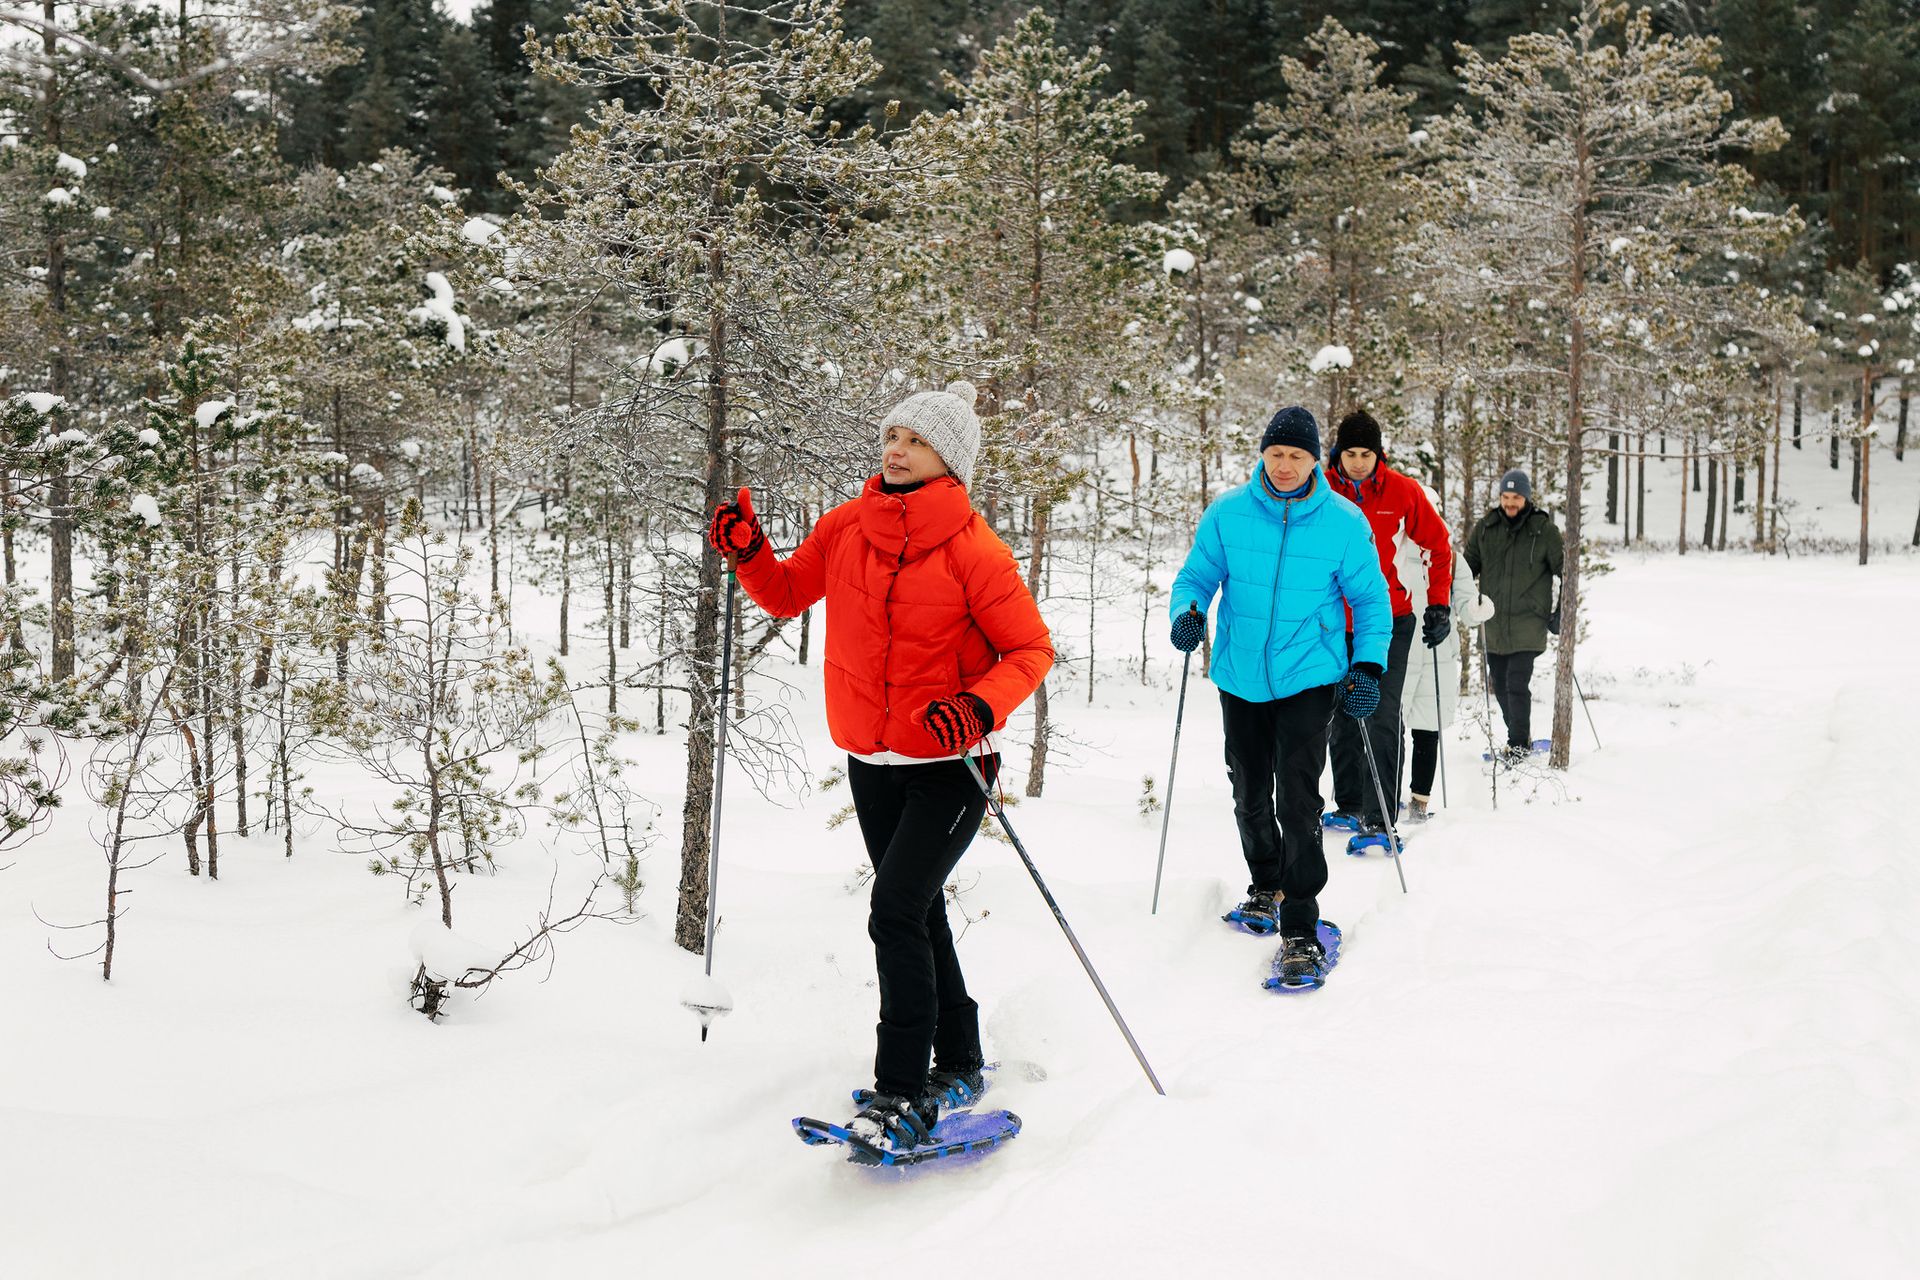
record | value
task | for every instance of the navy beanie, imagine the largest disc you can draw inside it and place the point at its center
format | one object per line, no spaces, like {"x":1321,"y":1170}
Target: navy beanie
{"x":1295,"y":427}
{"x":1515,"y":481}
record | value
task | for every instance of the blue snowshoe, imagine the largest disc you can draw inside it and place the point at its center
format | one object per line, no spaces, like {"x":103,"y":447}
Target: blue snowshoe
{"x":1340,"y":820}
{"x":893,"y":1131}
{"x":1373,"y":837}
{"x":1258,"y":915}
{"x":1302,"y":964}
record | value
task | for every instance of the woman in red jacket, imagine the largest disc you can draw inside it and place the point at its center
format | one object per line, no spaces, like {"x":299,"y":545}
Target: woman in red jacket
{"x":932,"y":639}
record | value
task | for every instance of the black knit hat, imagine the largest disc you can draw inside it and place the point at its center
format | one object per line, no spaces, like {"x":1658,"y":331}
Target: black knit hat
{"x":1515,"y":481}
{"x":1357,"y":430}
{"x":1295,"y":427}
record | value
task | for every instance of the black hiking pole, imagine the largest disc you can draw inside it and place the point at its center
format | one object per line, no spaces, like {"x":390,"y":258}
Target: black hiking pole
{"x":706,"y":998}
{"x":1166,"y":809}
{"x":1380,"y":794}
{"x":1589,"y":710}
{"x":999,"y":811}
{"x":1440,"y":739}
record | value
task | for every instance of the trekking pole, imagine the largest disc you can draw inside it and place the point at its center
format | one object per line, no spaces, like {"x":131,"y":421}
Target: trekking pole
{"x":999,"y":811}
{"x":1440,"y":739}
{"x":1486,"y":703}
{"x":706,"y":998}
{"x":1589,"y":710}
{"x":1166,"y":810}
{"x":1379,"y":793}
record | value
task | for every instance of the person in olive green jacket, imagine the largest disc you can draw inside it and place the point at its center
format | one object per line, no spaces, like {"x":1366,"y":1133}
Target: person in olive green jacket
{"x":1514,"y":552}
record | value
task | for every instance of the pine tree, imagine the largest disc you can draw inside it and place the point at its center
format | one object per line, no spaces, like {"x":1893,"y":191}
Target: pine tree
{"x":717,"y":208}
{"x":1325,"y":166}
{"x":1023,"y":245}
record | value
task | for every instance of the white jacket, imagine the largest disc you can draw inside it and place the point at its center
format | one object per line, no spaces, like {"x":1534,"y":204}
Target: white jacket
{"x":1470,"y":609}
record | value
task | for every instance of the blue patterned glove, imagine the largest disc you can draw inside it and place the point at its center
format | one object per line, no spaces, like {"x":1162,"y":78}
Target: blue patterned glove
{"x":1359,"y":690}
{"x":1189,"y":629}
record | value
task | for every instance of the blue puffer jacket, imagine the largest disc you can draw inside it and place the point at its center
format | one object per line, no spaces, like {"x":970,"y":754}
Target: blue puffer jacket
{"x":1288,"y":566}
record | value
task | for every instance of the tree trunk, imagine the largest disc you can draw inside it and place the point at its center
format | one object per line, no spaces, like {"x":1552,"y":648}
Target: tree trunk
{"x":1563,"y":693}
{"x":566,"y":550}
{"x":17,"y":637}
{"x":1613,"y":477}
{"x":1042,"y":723}
{"x":1640,"y":494}
{"x":1713,"y":495}
{"x":1683,"y":505}
{"x":1725,"y":506}
{"x":708,"y":701}
{"x":607,"y":600}
{"x":1900,"y":436}
{"x":626,"y":592}
{"x":1863,"y":452}
{"x":1799,"y":404}
{"x":1773,"y":504}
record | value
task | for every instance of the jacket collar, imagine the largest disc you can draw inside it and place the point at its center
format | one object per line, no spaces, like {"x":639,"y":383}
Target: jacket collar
{"x":1355,"y":490}
{"x":1313,"y":500}
{"x":914,"y":522}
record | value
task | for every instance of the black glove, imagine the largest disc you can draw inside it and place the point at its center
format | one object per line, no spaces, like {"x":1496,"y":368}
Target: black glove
{"x":1359,"y":690}
{"x":958,"y":722}
{"x":1189,"y":629}
{"x":735,"y":531}
{"x":1553,"y":619}
{"x":1434,"y":625}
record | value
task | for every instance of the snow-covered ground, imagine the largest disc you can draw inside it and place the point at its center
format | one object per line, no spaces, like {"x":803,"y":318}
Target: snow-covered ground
{"x":1654,"y":1017}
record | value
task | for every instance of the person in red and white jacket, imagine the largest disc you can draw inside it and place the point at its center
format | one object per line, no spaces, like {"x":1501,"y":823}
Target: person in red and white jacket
{"x":1398,"y":511}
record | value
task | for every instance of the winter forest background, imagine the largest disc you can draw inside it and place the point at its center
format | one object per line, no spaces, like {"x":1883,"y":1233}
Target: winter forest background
{"x":367,"y":372}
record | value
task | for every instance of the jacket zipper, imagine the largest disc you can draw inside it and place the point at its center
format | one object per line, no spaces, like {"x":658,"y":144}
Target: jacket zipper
{"x":1279,"y":573}
{"x":886,"y":610}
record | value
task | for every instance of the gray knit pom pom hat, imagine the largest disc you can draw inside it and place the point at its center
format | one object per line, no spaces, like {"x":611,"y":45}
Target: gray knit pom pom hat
{"x":945,"y":420}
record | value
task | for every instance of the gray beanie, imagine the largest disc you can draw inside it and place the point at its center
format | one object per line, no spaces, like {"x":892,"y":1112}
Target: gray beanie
{"x":1515,"y":481}
{"x":945,"y":420}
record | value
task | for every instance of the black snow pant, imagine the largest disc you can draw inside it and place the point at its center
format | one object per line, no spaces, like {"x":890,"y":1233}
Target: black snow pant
{"x":1426,"y":756}
{"x":1352,"y":785}
{"x":1512,"y":680}
{"x":917,"y":820}
{"x":1281,"y":746}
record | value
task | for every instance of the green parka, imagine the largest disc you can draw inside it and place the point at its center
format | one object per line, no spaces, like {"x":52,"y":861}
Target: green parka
{"x":1515,"y":562}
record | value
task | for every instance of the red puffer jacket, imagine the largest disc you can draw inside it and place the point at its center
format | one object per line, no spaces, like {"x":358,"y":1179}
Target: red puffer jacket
{"x":1392,"y":502}
{"x":923,"y":601}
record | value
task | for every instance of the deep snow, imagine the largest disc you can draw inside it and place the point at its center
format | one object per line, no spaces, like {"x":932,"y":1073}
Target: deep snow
{"x":1657,"y":1016}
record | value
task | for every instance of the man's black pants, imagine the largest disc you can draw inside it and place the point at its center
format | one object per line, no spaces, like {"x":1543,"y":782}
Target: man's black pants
{"x":1281,"y":747}
{"x":1352,"y":784}
{"x":1512,"y":680}
{"x":918,"y":819}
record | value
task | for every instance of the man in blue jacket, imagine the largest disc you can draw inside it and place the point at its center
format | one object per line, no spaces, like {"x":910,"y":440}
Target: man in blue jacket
{"x":1288,"y":557}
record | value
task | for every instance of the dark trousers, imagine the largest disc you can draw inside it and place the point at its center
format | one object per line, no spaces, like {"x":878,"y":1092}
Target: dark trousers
{"x":1426,"y":756}
{"x":1512,"y":677}
{"x":1352,"y":785}
{"x":1281,"y":747}
{"x":917,"y":820}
